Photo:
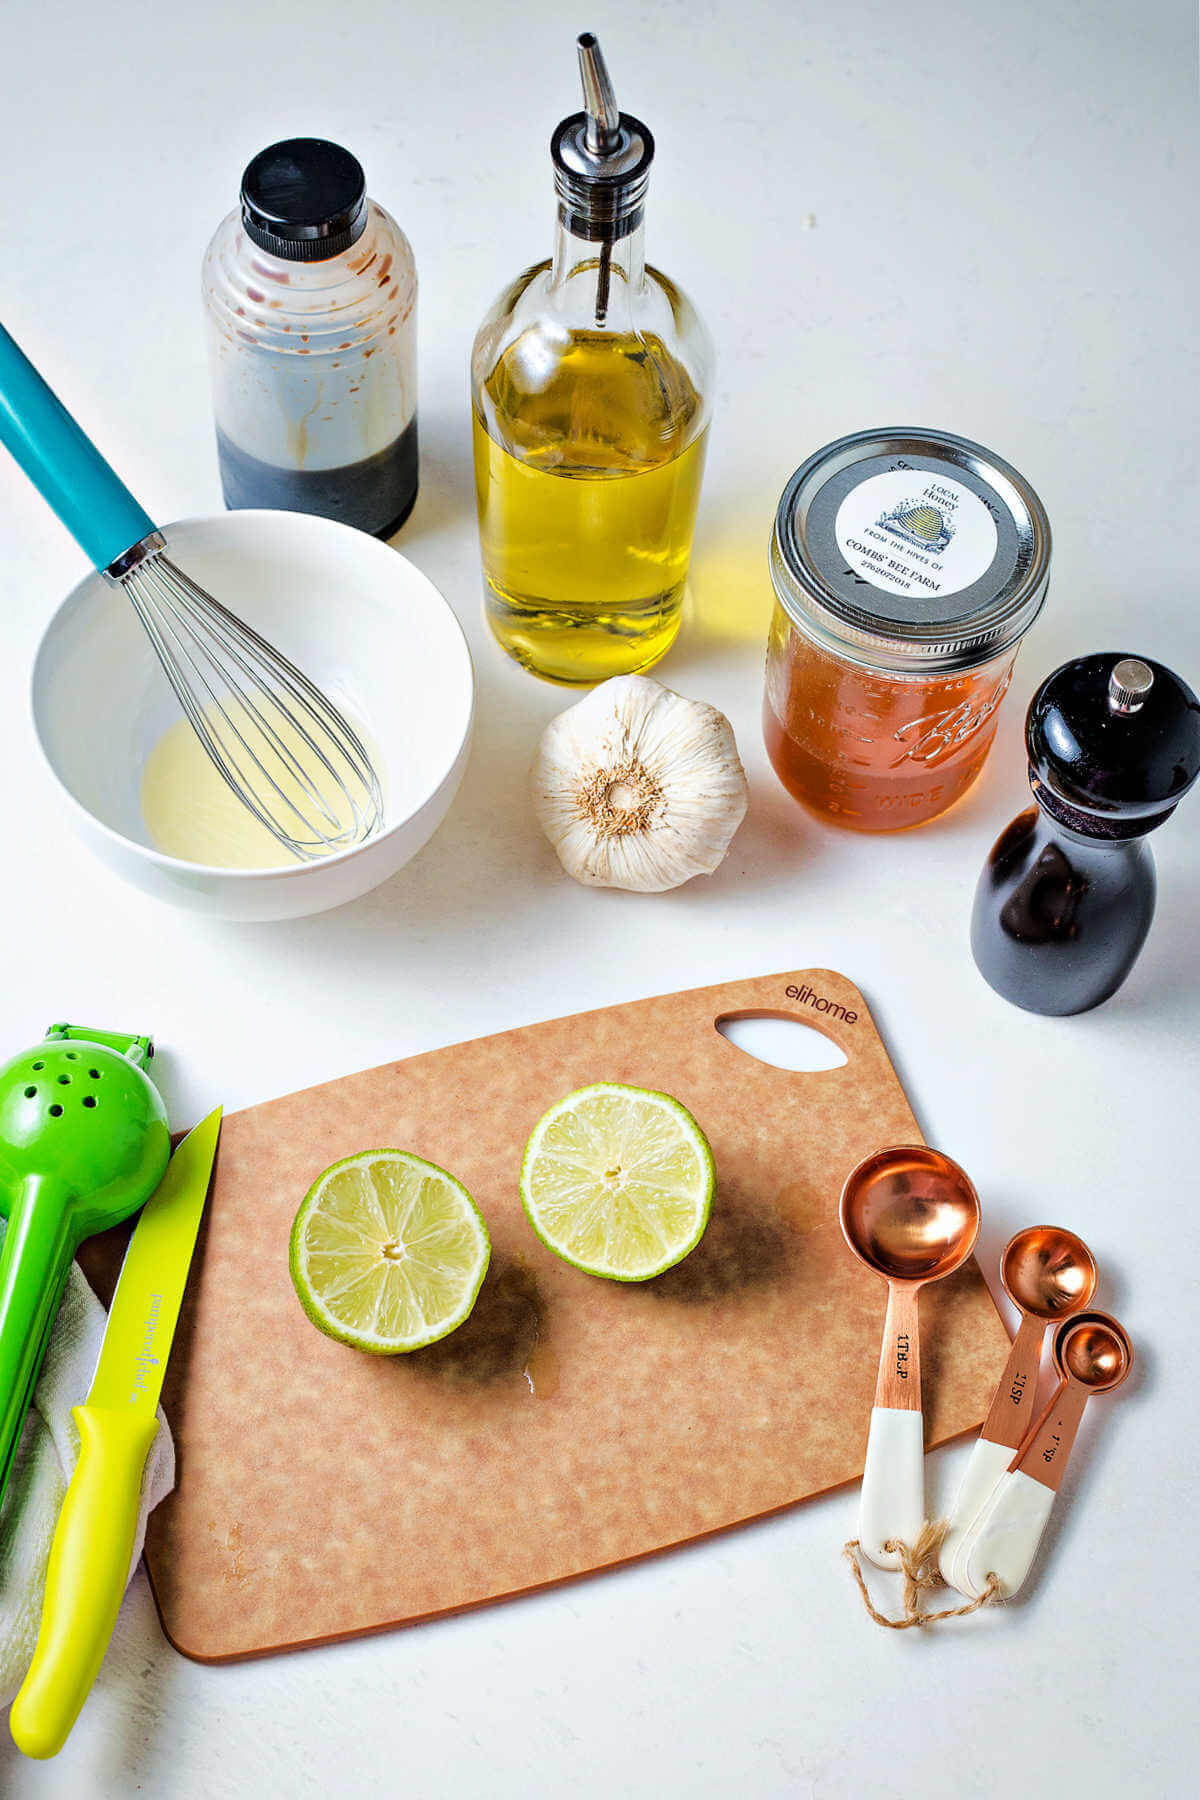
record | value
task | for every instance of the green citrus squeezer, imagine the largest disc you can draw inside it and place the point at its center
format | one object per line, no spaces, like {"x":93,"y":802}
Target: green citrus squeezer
{"x":84,"y":1141}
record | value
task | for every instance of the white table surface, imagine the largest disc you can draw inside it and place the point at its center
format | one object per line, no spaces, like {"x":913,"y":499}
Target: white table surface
{"x":968,"y":216}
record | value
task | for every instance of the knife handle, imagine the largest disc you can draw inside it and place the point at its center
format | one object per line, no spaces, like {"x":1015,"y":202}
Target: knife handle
{"x":86,"y":1576}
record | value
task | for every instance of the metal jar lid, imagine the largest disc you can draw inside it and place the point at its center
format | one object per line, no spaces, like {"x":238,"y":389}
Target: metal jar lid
{"x":910,"y":550}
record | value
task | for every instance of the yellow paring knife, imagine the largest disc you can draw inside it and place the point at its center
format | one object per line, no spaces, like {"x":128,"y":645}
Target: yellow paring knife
{"x":88,"y":1569}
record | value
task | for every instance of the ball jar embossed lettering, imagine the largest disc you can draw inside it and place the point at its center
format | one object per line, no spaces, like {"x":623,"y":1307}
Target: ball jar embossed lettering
{"x":907,"y":567}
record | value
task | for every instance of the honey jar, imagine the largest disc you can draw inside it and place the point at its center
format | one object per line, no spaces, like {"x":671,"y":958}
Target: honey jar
{"x":907,"y":566}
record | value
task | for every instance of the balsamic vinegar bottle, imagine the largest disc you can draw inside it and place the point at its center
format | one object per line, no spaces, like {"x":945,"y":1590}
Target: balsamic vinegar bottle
{"x":310,"y":297}
{"x":1066,"y":899}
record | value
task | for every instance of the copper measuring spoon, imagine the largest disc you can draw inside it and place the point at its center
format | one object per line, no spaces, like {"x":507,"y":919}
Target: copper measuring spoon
{"x":1093,"y":1355}
{"x":1048,"y":1273}
{"x":912,"y":1215}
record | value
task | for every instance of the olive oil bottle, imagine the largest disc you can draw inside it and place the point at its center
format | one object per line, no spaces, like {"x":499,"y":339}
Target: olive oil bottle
{"x":590,"y":383}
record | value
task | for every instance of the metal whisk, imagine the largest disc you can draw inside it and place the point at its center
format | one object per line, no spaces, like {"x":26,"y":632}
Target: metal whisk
{"x":275,"y":739}
{"x":282,"y":746}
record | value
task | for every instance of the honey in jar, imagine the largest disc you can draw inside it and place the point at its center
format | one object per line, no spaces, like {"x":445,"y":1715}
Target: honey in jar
{"x":907,"y":566}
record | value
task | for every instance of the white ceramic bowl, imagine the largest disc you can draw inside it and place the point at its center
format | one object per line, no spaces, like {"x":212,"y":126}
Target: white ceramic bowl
{"x":352,"y":613}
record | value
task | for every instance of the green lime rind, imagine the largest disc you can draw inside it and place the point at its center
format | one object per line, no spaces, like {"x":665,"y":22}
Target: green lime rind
{"x":676,"y":1215}
{"x":459,"y":1210}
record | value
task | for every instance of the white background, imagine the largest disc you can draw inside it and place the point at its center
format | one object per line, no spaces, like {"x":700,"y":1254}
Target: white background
{"x":960,"y":215}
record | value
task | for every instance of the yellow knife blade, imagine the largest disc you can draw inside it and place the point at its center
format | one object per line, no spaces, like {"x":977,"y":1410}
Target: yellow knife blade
{"x":97,"y":1527}
{"x":145,"y":1307}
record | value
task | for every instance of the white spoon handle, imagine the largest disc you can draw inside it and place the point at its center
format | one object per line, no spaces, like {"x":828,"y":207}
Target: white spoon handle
{"x":893,"y":1485}
{"x":985,"y":1468}
{"x":1005,"y":1541}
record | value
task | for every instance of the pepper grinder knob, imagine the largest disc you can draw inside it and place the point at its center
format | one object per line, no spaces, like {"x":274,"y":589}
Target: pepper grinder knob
{"x":1129,"y":684}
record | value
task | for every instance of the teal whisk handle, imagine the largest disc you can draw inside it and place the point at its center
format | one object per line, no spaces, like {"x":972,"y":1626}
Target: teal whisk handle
{"x":63,"y":464}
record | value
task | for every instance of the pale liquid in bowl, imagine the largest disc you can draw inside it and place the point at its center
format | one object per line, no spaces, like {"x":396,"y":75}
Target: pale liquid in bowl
{"x":191,"y":813}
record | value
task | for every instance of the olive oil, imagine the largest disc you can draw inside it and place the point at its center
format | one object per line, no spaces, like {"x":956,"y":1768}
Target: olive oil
{"x":587,"y":508}
{"x":590,"y":383}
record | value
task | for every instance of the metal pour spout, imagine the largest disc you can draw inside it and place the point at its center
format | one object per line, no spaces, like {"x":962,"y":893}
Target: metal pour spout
{"x":600,"y":103}
{"x":601,"y":160}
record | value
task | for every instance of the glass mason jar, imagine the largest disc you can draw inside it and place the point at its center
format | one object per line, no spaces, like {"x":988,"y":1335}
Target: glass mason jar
{"x":907,"y":566}
{"x":310,"y":295}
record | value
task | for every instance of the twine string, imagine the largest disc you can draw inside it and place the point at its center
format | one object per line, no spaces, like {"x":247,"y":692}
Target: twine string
{"x":919,"y":1563}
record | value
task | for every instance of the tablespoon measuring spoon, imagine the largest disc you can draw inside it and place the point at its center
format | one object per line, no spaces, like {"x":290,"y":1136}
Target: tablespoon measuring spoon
{"x":1093,"y":1355}
{"x":1048,"y":1273}
{"x":912,"y":1215}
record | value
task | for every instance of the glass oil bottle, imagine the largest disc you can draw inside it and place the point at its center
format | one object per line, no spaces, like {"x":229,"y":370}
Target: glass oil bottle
{"x":590,"y":384}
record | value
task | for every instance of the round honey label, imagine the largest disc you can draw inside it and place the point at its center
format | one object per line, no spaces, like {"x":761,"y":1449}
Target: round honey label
{"x":913,"y":532}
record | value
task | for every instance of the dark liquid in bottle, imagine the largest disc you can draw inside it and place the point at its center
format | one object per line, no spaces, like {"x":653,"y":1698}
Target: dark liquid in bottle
{"x":375,"y":495}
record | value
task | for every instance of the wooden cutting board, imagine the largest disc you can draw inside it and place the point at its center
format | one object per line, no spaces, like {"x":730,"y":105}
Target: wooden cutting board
{"x":571,"y":1423}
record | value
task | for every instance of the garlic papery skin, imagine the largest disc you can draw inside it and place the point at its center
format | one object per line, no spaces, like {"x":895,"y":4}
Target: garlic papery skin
{"x":637,"y":787}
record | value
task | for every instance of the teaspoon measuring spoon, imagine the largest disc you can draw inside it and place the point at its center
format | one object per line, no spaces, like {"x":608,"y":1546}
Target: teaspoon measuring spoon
{"x":1048,"y":1273}
{"x":912,"y":1215}
{"x":1093,"y":1355}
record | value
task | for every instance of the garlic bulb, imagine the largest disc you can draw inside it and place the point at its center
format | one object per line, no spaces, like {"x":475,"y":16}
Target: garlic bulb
{"x":637,"y":787}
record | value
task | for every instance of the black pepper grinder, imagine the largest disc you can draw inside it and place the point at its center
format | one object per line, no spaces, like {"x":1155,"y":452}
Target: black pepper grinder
{"x":1066,"y":899}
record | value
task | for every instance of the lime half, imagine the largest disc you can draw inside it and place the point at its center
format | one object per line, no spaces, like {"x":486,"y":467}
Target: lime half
{"x":618,"y":1181}
{"x":387,"y":1252}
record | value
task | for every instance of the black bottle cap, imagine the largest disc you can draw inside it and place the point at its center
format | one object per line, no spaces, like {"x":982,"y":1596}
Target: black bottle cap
{"x":304,"y":199}
{"x":1113,"y":743}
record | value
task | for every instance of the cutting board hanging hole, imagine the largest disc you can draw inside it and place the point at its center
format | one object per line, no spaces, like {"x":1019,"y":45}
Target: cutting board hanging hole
{"x":782,"y":1042}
